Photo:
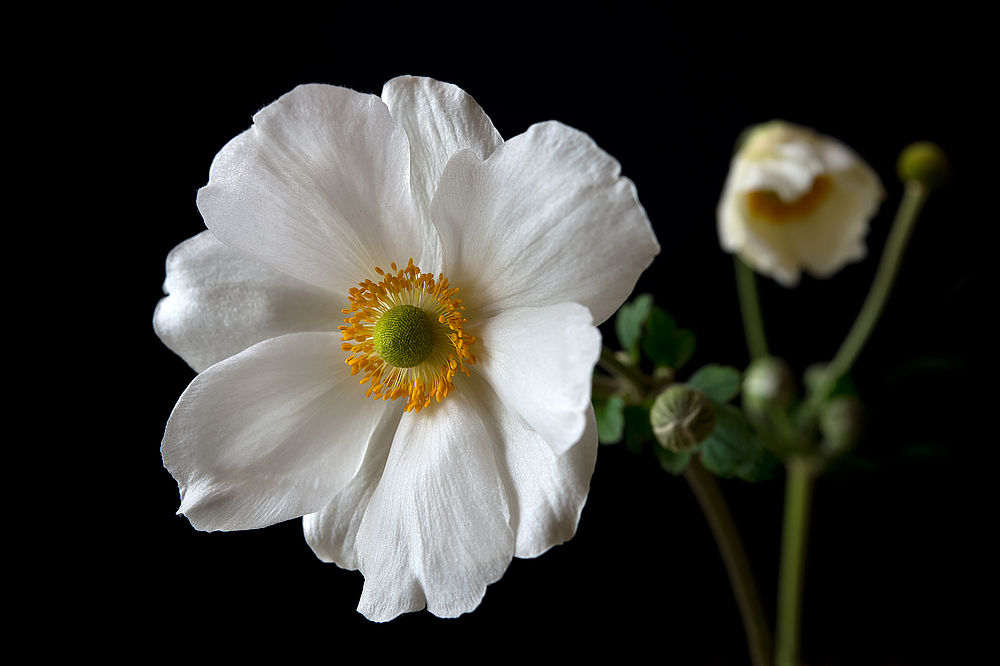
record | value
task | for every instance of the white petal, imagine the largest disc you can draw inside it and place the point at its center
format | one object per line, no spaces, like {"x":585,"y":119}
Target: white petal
{"x":766,"y":248}
{"x":318,"y":188}
{"x":545,"y":491}
{"x":436,"y":530}
{"x":540,"y":361}
{"x":789,"y":173}
{"x":221,"y":302}
{"x":546,"y":219}
{"x":439,"y":119}
{"x":839,"y":229}
{"x":272,"y":433}
{"x":332,"y":531}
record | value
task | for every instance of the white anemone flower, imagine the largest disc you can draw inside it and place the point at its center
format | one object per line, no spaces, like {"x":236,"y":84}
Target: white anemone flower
{"x":429,"y":426}
{"x":795,"y":200}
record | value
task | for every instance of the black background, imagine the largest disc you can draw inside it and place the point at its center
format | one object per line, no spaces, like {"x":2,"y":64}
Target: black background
{"x":898,"y":540}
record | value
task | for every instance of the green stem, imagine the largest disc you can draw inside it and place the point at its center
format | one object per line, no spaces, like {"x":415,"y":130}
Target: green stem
{"x":713,"y":505}
{"x":753,"y":321}
{"x":801,"y":472}
{"x":913,"y":200}
{"x":791,"y":573}
{"x":637,"y":382}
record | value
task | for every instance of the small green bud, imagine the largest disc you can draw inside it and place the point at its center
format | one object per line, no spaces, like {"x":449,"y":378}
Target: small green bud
{"x":767,"y":384}
{"x":924,"y":162}
{"x":840,"y":422}
{"x":682,"y":417}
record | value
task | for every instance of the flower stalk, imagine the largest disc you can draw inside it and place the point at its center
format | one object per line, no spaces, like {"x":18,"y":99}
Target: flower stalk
{"x":753,"y":321}
{"x":794,"y":539}
{"x":913,"y":200}
{"x":802,"y":471}
{"x":716,"y":511}
{"x":914,"y":196}
{"x":713,"y":504}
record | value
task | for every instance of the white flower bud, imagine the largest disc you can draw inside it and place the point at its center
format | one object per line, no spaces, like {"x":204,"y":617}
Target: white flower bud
{"x":682,"y":417}
{"x":795,"y":200}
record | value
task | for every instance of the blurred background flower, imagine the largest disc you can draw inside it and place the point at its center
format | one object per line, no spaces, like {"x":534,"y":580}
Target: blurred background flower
{"x":795,"y":200}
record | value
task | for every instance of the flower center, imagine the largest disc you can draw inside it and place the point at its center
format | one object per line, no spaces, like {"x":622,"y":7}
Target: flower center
{"x":403,"y":336}
{"x":405,"y":333}
{"x":768,"y":205}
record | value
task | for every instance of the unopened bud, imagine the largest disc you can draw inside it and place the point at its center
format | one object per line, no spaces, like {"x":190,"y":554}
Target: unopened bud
{"x":925,"y":162}
{"x":682,"y":417}
{"x":767,"y":384}
{"x":840,"y":422}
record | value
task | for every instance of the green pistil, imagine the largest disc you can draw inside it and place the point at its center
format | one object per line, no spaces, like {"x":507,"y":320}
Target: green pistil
{"x":403,"y":336}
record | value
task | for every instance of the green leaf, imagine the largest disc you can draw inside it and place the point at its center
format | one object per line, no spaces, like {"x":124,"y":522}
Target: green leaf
{"x":761,"y":468}
{"x":664,"y":343}
{"x":734,"y":450}
{"x":675,"y":463}
{"x":610,"y":420}
{"x":630,"y":321}
{"x":658,"y":340}
{"x":684,"y":347}
{"x":638,"y":431}
{"x":721,"y":383}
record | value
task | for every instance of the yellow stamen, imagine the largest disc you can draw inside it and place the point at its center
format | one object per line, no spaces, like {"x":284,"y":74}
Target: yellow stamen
{"x":450,"y":346}
{"x":769,"y":206}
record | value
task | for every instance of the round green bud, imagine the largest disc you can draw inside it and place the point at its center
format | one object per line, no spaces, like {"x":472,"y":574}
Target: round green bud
{"x":403,"y":336}
{"x":682,"y":417}
{"x":840,"y":421}
{"x":924,"y":162}
{"x":815,"y":378}
{"x":767,"y":384}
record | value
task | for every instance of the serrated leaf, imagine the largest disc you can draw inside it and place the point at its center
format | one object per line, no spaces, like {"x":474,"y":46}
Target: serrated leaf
{"x":721,"y":383}
{"x":734,"y":450}
{"x":664,"y":343}
{"x":610,"y":420}
{"x":630,"y":321}
{"x":658,"y":340}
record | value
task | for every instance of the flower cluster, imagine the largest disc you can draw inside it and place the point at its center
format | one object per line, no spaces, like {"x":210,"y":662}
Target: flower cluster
{"x":393,"y":316}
